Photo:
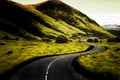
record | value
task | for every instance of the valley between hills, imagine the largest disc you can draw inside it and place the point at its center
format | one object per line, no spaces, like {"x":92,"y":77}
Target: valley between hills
{"x":30,"y":32}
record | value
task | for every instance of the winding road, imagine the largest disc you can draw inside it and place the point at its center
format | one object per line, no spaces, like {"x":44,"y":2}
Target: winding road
{"x":53,"y":68}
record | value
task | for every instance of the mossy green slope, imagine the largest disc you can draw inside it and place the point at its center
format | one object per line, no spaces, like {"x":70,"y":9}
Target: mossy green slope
{"x":32,"y":21}
{"x":62,"y":12}
{"x":10,"y":30}
{"x":50,"y":19}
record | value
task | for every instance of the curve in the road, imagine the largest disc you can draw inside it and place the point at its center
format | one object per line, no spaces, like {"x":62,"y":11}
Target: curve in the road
{"x":52,"y":68}
{"x":50,"y":64}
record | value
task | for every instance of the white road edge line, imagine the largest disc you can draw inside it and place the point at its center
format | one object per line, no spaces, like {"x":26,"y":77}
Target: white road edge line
{"x":47,"y":71}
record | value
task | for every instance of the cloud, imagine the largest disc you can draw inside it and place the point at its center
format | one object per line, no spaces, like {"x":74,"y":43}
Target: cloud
{"x":106,"y":18}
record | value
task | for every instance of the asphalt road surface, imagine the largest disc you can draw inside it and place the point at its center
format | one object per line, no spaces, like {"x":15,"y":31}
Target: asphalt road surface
{"x":53,"y":68}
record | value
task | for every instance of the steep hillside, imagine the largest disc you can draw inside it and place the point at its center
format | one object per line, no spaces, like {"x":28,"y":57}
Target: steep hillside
{"x":61,"y":12}
{"x":18,"y":19}
{"x":12,"y":31}
{"x":32,"y":21}
{"x":48,"y":19}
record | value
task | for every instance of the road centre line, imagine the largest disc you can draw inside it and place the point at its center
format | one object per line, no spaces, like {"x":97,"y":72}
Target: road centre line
{"x":50,"y":64}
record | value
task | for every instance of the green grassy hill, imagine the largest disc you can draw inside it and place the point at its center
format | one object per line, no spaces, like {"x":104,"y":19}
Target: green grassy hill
{"x":48,"y":19}
{"x":35,"y":22}
{"x":74,"y":19}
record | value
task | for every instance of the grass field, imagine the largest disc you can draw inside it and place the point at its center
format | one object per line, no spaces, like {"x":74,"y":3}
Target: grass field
{"x":13,"y":52}
{"x":106,"y":63}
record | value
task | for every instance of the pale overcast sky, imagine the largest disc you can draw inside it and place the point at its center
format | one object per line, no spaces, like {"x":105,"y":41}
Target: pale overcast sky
{"x":103,"y":11}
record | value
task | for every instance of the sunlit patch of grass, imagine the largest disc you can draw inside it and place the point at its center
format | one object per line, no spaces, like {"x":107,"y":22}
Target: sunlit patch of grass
{"x":105,"y":63}
{"x":13,"y":53}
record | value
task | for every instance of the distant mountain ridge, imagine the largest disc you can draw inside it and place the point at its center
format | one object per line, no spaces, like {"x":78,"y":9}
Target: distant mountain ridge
{"x":113,"y":28}
{"x":49,"y":19}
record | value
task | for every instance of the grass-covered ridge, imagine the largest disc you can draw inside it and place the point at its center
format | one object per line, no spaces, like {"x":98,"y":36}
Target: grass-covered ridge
{"x":13,"y":53}
{"x":63,"y":12}
{"x":47,"y":19}
{"x":105,"y":63}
